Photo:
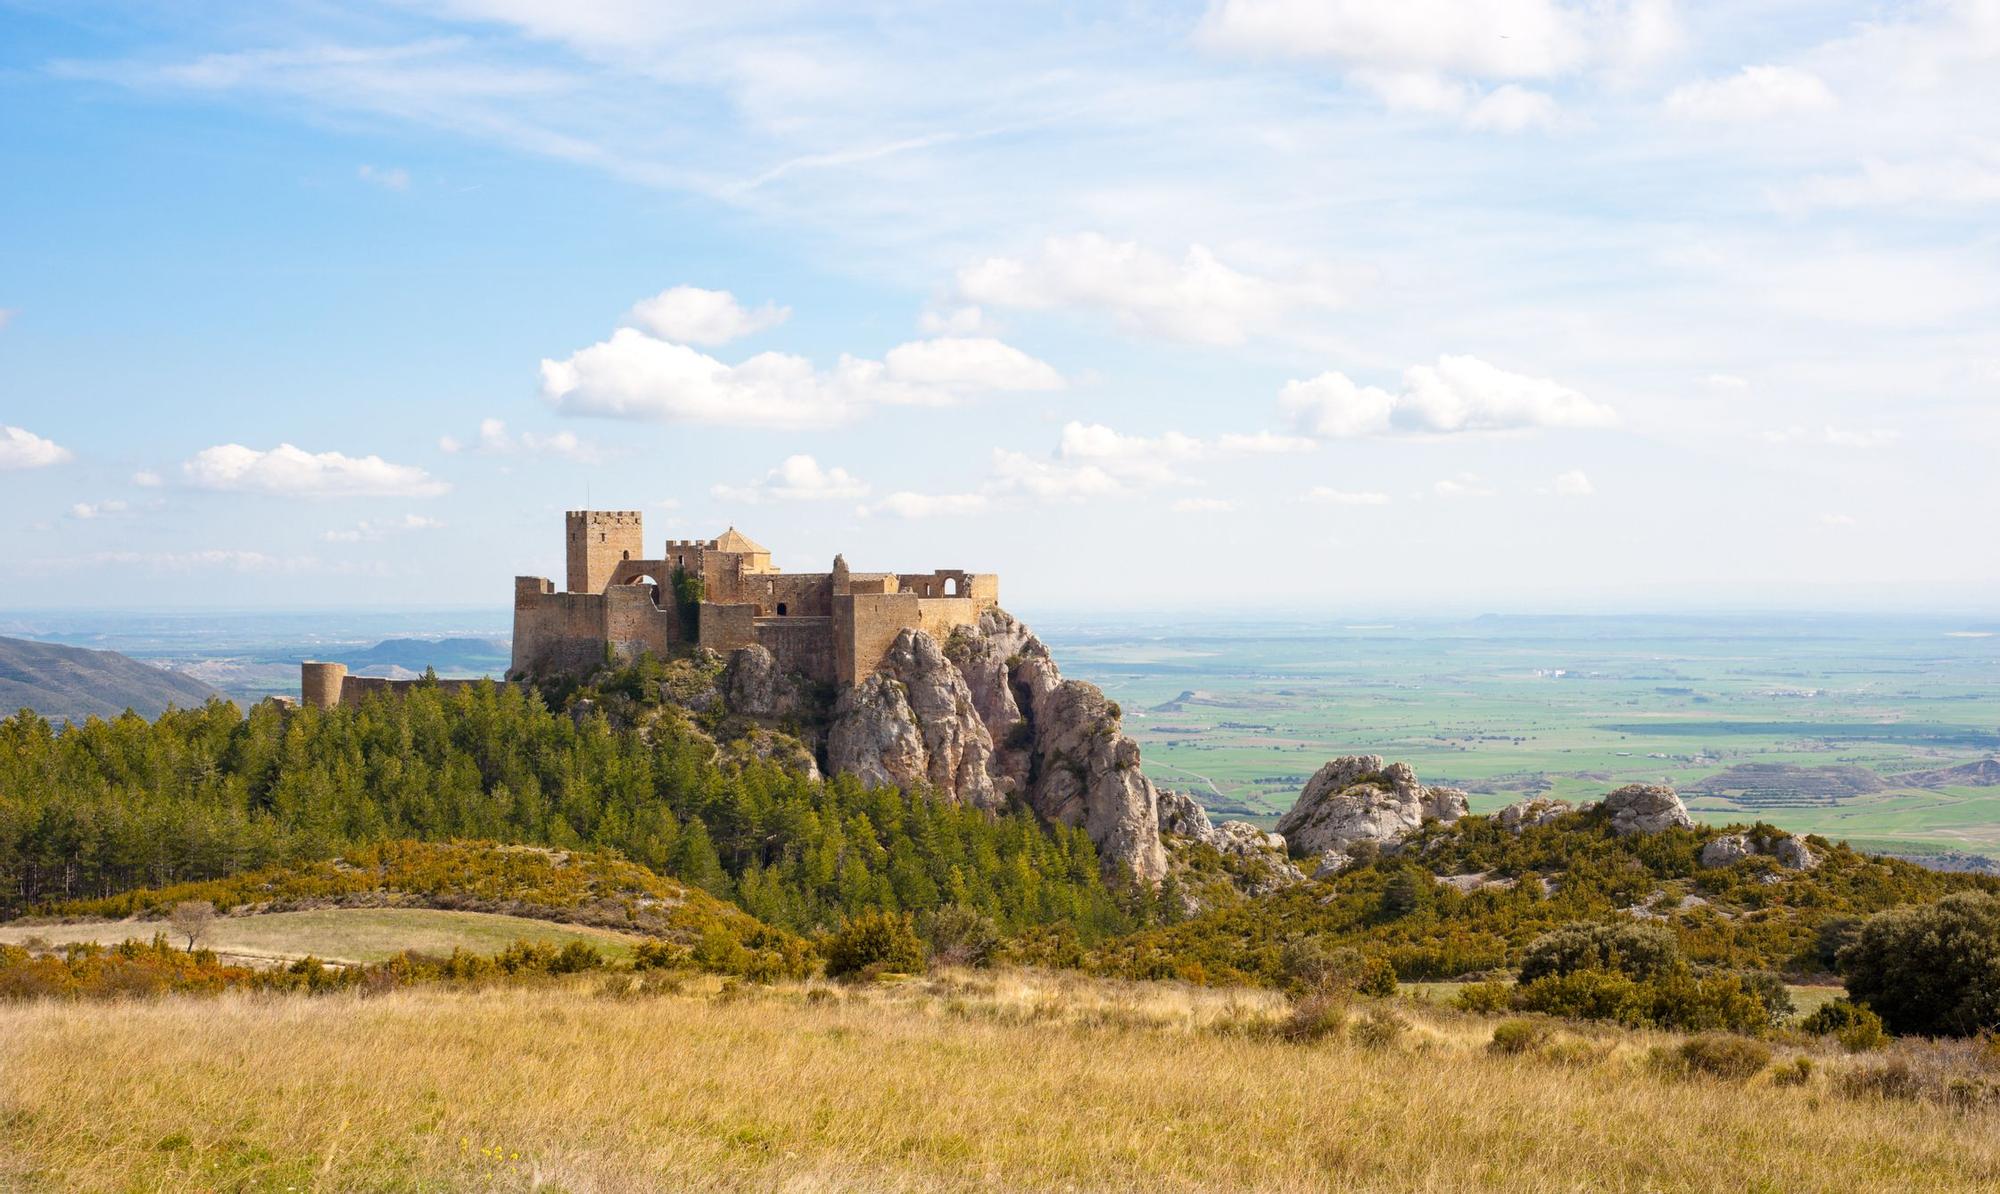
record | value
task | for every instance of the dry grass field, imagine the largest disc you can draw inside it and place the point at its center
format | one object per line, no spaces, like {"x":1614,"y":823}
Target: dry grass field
{"x":1010,"y":1081}
{"x":339,"y":934}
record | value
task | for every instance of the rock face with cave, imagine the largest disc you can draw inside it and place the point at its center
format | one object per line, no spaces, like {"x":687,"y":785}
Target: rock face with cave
{"x":832,"y":627}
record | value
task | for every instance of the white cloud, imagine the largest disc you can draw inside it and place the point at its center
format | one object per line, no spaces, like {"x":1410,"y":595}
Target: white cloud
{"x":146,"y":478}
{"x":963,"y":320}
{"x":1955,"y":181}
{"x":1725,"y":382}
{"x":21,"y":448}
{"x":1754,"y":93}
{"x":798,"y":479}
{"x":1573,"y":483}
{"x":288,"y":471}
{"x":1507,"y":39}
{"x":389,"y":178}
{"x":495,"y":440}
{"x":1836,"y":520}
{"x":906,"y":504}
{"x":1327,"y":495}
{"x":1203,"y":506}
{"x":1855,"y":437}
{"x":691,"y":315}
{"x":90,"y":510}
{"x":1055,"y":481}
{"x":1465,"y":485}
{"x":963,"y":364}
{"x":1513,"y":109}
{"x":1264,"y":443}
{"x":1459,"y":393}
{"x":636,"y":376}
{"x":1197,"y":298}
{"x":374,"y":530}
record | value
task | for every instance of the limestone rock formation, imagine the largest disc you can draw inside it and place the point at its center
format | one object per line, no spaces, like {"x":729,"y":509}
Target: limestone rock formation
{"x":986,"y":716}
{"x":755,"y":686}
{"x":1182,"y":815}
{"x":1357,"y":798}
{"x":1269,"y":867}
{"x":912,"y":724}
{"x":1790,"y":851}
{"x":1527,"y":814}
{"x":1646,"y":808}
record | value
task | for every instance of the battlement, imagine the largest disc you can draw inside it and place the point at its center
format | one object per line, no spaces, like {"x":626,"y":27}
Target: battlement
{"x":831,"y":625}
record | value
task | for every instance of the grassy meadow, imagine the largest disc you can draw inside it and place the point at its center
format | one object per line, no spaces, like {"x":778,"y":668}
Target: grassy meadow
{"x":996,"y":1080}
{"x":339,"y":934}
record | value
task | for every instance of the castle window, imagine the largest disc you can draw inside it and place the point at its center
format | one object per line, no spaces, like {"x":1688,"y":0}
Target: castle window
{"x":781,"y":609}
{"x":951,"y":587}
{"x":624,"y":555}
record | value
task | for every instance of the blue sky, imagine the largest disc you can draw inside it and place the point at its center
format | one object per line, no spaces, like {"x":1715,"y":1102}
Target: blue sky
{"x":1358,"y":307}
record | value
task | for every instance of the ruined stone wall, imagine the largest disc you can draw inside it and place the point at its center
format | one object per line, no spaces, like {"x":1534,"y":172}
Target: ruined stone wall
{"x":803,"y":594}
{"x":727,"y":627}
{"x":595,"y":541}
{"x":939,"y":616}
{"x":556,"y":632}
{"x":864,"y":626}
{"x":358,"y":688}
{"x":320,"y":683}
{"x":633,"y":622}
{"x":801,"y":645}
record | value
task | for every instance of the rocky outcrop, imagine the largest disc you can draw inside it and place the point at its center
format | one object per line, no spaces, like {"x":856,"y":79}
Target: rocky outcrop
{"x":984,"y":717}
{"x":912,"y":724}
{"x":1789,"y":851}
{"x":1529,"y":813}
{"x":1182,"y":816}
{"x":1646,"y":808}
{"x":1357,"y":798}
{"x":1267,"y":867}
{"x":1088,"y":774}
{"x":755,"y":686}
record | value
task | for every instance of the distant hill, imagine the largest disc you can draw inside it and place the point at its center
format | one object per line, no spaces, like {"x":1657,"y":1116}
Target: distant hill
{"x":74,"y":683}
{"x":1980,"y":773}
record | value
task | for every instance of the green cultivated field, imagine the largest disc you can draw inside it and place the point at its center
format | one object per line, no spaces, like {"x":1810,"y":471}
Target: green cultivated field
{"x":1833,"y":725}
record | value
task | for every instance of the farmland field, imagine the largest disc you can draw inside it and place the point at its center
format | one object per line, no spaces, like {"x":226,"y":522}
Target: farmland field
{"x":1846,"y":726}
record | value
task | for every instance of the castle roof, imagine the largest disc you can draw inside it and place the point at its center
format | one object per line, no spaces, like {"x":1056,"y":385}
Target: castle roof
{"x":735,"y":540}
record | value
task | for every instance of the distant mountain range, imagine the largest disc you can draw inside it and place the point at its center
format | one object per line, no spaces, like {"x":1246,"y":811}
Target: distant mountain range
{"x":447,"y":655}
{"x":74,"y":683}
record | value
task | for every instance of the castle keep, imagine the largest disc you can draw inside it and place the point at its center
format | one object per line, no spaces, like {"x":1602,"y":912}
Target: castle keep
{"x":828,"y":626}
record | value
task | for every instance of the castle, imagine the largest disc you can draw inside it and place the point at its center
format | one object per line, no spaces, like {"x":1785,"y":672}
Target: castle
{"x":832,"y":627}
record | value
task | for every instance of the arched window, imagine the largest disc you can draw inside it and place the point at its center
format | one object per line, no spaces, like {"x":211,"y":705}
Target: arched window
{"x":781,"y":609}
{"x":951,"y":586}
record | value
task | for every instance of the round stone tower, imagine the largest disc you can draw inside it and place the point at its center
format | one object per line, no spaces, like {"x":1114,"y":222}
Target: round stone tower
{"x":320,"y":684}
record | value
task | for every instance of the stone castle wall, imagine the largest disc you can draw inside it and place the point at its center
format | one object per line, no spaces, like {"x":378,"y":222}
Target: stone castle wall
{"x":328,"y":686}
{"x":595,"y":540}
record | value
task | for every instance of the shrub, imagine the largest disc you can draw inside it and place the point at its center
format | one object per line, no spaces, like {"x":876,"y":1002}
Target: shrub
{"x":1309,"y":965}
{"x":1718,"y":1055}
{"x":1856,"y":1028}
{"x":1379,"y":1028}
{"x":1520,"y":1036}
{"x":1932,"y":970}
{"x":961,"y":936}
{"x":1318,"y":1016}
{"x":875,"y":939}
{"x":1796,"y":1072}
{"x":1638,"y":951}
{"x":1678,"y":1001}
{"x":1771,"y":991}
{"x":1486,"y":998}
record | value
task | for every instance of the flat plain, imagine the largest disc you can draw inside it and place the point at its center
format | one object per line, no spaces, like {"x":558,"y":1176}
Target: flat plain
{"x":1840,"y":725}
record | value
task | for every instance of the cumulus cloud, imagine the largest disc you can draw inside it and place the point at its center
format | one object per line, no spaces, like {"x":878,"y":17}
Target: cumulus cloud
{"x":1327,"y":495}
{"x":89,"y":510}
{"x":495,"y":440}
{"x":1458,"y":394}
{"x":691,"y":315}
{"x":21,"y":448}
{"x":287,"y":471}
{"x":146,"y":478}
{"x":799,"y":479}
{"x":954,"y":321}
{"x":1195,"y":298}
{"x":373,"y":530}
{"x":1051,"y":480}
{"x":1573,"y":484}
{"x":1203,"y":506}
{"x":1753,"y":93}
{"x":636,"y":376}
{"x":1513,"y":109}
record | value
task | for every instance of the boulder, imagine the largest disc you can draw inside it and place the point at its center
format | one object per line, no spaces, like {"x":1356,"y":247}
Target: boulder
{"x":1181,"y":815}
{"x":1330,"y":863}
{"x":1527,"y":814}
{"x":1358,"y":798}
{"x":1788,"y":850}
{"x":1646,"y":808}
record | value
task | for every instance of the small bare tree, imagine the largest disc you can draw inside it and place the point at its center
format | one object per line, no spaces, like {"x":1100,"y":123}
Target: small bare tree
{"x":192,"y":919}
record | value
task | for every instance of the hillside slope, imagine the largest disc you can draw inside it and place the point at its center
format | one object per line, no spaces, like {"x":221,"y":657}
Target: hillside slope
{"x":74,"y":683}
